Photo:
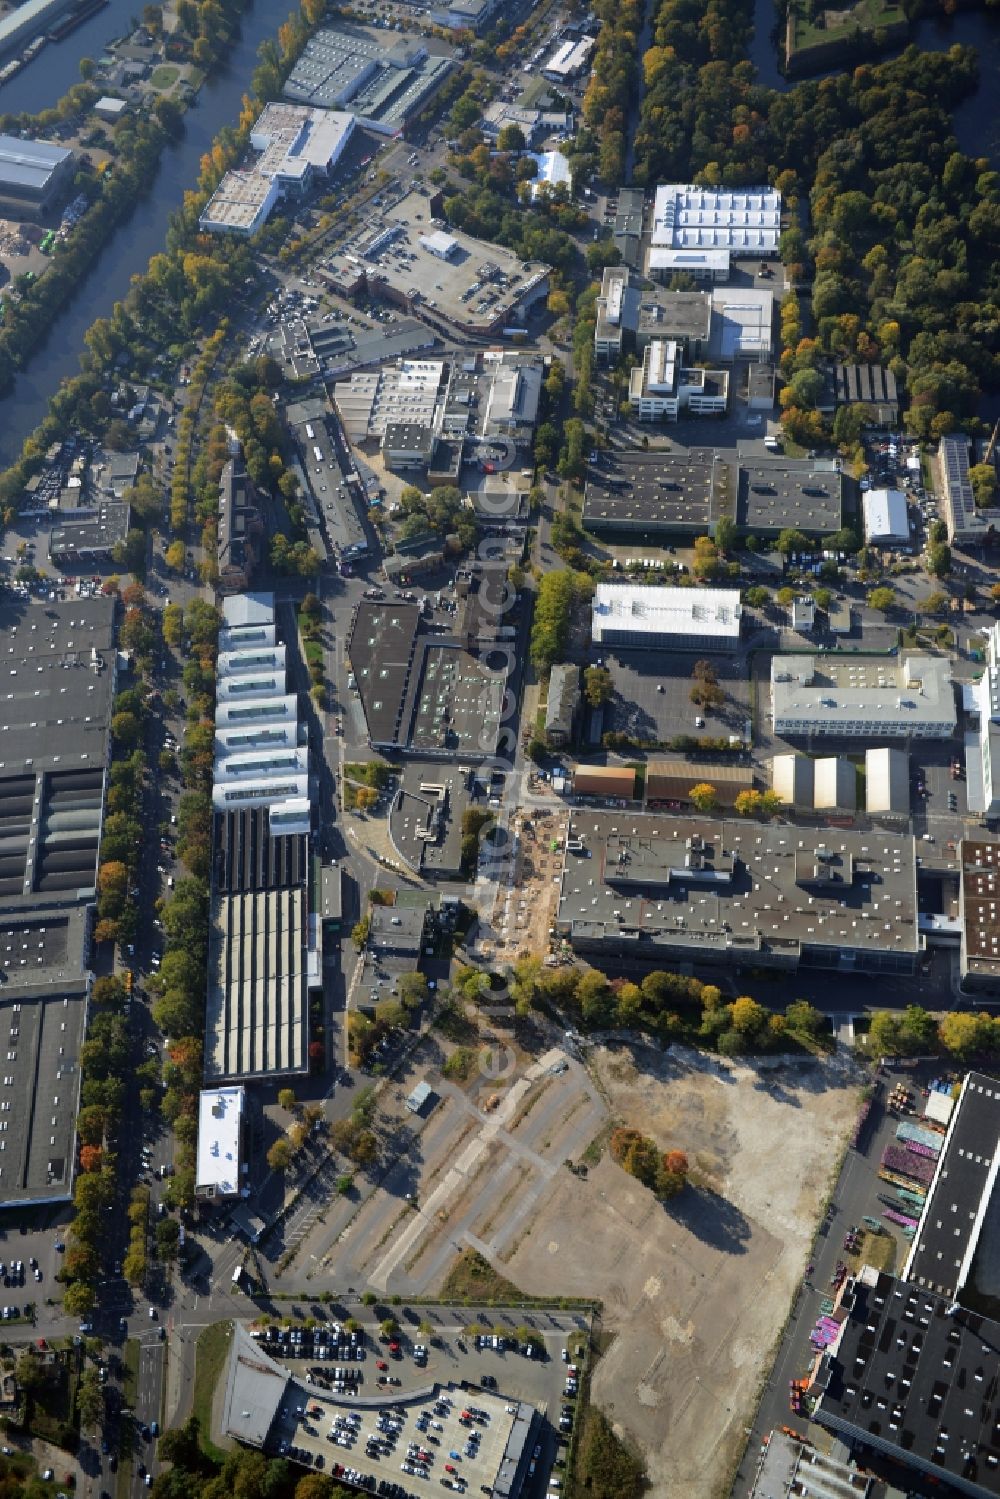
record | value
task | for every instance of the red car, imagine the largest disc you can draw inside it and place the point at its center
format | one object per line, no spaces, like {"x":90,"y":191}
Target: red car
{"x":380,"y":1363}
{"x":450,"y":1468}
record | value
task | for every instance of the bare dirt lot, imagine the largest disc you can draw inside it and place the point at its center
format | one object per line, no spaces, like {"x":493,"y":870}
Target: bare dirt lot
{"x":696,"y":1293}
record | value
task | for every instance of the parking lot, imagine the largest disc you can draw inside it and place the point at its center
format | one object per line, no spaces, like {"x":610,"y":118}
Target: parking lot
{"x":652,"y":696}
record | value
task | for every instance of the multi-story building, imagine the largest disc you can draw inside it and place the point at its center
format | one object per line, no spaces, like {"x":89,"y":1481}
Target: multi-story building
{"x":660,"y":388}
{"x":824,"y":696}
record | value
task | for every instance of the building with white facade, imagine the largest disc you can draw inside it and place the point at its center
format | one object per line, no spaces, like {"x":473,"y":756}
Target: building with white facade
{"x":707,"y":226}
{"x":982,"y":737}
{"x":660,"y":389}
{"x":825,"y":695}
{"x":637,"y":616}
{"x":568,"y":60}
{"x":553,"y":171}
{"x":222,"y":1147}
{"x":742,"y":321}
{"x":610,"y":309}
{"x":298,"y":146}
{"x":887,"y":522}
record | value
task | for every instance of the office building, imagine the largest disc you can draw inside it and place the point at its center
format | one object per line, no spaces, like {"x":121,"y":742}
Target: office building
{"x":382,"y":83}
{"x":33,"y":175}
{"x":684,"y":316}
{"x":982,"y":735}
{"x":648,"y":889}
{"x":660,"y":389}
{"x":823,"y":695}
{"x":297,"y":148}
{"x":680,"y":619}
{"x":628,"y":225}
{"x":241,"y":525}
{"x":886,"y":519}
{"x":914,"y":1377}
{"x":221,"y":1161}
{"x":425,"y":820}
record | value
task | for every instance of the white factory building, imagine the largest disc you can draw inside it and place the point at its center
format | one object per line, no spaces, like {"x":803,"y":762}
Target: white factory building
{"x":569,"y":59}
{"x":553,"y":171}
{"x":297,"y":146}
{"x":887,"y":522}
{"x":638,"y":616}
{"x":699,"y":229}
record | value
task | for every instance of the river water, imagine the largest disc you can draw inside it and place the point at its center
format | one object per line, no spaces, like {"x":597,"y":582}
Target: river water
{"x":977,"y":125}
{"x":129,"y":252}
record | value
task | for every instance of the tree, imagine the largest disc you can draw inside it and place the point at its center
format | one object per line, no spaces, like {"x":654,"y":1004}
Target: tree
{"x":757,"y":597}
{"x":704,"y":797}
{"x":882,"y":599}
{"x":804,"y":1017}
{"x":937,"y":531}
{"x":786,"y":597}
{"x":934,"y":603}
{"x":963,"y":1033}
{"x":883,"y":1033}
{"x":90,"y":1399}
{"x":511,"y":138}
{"x":388,"y":1327}
{"x":793,"y":541}
{"x":598,"y":686}
{"x":672,"y":1174}
{"x":725,"y":533}
{"x":286,"y":1098}
{"x":747,"y":803}
{"x":748,"y":1017}
{"x":174,"y":556}
{"x":78,"y":1299}
{"x":984,"y":483}
{"x":938,"y":562}
{"x":279,"y":1157}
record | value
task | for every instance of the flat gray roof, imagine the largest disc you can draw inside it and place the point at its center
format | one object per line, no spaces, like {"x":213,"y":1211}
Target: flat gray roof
{"x":776,"y":493}
{"x":255,"y":1388}
{"x":426,"y":818}
{"x":380,"y":648}
{"x":55,"y":692}
{"x":459,"y":704}
{"x":257,"y":1009}
{"x":657,"y":492}
{"x":701,"y":884}
{"x":41,"y":1032}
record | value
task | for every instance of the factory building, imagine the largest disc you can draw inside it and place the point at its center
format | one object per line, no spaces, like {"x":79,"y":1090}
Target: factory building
{"x":680,"y":619}
{"x":822,"y":695}
{"x":33,"y":175}
{"x":698,"y":229}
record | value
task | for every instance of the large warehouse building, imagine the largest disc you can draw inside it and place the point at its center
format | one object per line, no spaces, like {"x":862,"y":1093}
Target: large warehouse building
{"x":680,"y":619}
{"x":641,"y":888}
{"x":698,"y":229}
{"x":382,"y":85}
{"x":33,"y":174}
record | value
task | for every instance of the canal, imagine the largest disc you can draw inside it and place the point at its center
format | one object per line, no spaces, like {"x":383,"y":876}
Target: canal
{"x":143,"y":235}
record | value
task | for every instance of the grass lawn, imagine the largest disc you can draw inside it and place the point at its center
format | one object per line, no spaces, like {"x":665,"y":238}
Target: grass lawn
{"x":165,"y":76}
{"x":868,"y":15}
{"x":601,"y":1466}
{"x":473,"y":1278}
{"x":210,"y":1359}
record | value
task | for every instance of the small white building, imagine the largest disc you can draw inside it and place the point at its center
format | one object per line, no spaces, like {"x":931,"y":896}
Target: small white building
{"x":439,"y":244}
{"x":553,"y":171}
{"x":886,"y":520}
{"x":221,"y":1159}
{"x":110,"y":108}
